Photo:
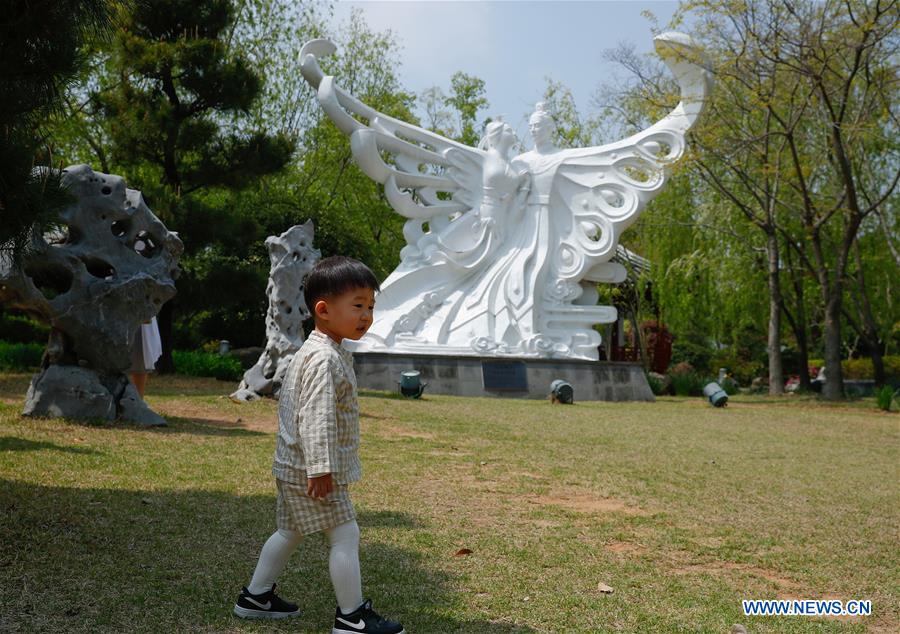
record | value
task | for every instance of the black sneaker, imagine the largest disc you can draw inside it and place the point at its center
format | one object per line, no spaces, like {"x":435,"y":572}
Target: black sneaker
{"x":364,"y":620}
{"x":266,"y":605}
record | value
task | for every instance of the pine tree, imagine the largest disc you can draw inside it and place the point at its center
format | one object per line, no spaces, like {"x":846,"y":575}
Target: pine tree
{"x":40,"y":54}
{"x":177,"y":121}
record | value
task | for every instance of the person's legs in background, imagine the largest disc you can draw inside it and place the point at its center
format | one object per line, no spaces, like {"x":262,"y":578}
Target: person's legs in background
{"x":140,"y":382}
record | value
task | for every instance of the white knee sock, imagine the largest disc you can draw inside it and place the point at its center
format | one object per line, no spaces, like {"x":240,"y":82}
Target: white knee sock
{"x":272,"y":559}
{"x":343,"y":564}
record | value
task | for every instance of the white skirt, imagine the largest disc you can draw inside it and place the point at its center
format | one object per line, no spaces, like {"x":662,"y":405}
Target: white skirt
{"x":147,"y":347}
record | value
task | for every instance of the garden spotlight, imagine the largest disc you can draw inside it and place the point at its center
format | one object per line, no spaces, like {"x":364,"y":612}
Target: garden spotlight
{"x":410,"y":385}
{"x":716,"y":395}
{"x":562,"y":392}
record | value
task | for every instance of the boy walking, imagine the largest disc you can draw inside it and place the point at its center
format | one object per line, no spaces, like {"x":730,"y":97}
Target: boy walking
{"x":316,"y":452}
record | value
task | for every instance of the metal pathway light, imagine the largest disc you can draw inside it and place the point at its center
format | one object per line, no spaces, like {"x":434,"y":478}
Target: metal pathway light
{"x":562,"y":392}
{"x":716,"y":395}
{"x":410,"y":384}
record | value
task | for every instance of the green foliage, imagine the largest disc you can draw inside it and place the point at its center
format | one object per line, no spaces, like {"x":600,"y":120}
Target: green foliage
{"x":884,"y":397}
{"x":572,"y":129}
{"x":178,"y":77}
{"x":694,"y":350}
{"x":193,"y":363}
{"x":862,"y":368}
{"x":657,"y":386}
{"x":685,"y":380}
{"x":174,"y":98}
{"x":21,"y":329}
{"x":756,"y":167}
{"x":688,"y":384}
{"x":743,"y":370}
{"x":351,"y":215}
{"x":729,"y":386}
{"x":238,"y":315}
{"x":462,"y":105}
{"x":20,"y":357}
{"x":467,"y":98}
{"x":40,"y":55}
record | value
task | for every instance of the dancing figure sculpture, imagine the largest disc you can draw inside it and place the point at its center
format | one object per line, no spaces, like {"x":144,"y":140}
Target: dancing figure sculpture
{"x":514,"y":248}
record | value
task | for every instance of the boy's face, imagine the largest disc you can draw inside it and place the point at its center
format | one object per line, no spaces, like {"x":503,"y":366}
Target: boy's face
{"x":346,"y":316}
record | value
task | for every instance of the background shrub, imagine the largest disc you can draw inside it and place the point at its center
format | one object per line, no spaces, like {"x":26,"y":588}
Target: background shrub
{"x":21,"y":329}
{"x":692,"y":350}
{"x":743,"y":371}
{"x":884,"y":397}
{"x":862,"y":368}
{"x":688,"y":383}
{"x":729,"y":385}
{"x":194,"y":363}
{"x":20,"y":357}
{"x":657,"y":384}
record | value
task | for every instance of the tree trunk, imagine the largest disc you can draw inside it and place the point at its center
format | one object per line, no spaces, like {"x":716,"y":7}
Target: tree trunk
{"x":869,"y":329}
{"x":776,"y":372}
{"x":798,"y":325}
{"x":796,"y":317}
{"x":803,"y":358}
{"x":834,"y":374}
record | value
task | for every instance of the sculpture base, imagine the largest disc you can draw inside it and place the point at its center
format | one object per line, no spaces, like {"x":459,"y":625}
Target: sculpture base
{"x":80,"y":393}
{"x":508,"y":377}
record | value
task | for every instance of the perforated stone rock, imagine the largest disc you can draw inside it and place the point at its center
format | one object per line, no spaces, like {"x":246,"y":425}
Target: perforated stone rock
{"x":108,"y":267}
{"x":292,"y":256}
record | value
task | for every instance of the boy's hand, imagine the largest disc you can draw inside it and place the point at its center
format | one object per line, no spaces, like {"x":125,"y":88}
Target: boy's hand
{"x":320,"y":486}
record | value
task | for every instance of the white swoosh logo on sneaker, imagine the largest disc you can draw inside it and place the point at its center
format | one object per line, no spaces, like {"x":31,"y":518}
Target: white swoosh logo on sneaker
{"x":356,"y":626}
{"x":266,"y":606}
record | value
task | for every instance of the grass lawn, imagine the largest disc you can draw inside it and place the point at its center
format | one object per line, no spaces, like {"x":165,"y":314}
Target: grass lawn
{"x":681,"y":508}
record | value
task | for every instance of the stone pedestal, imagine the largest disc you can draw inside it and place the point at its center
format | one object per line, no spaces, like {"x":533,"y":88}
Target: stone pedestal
{"x":508,"y":377}
{"x":66,"y":391}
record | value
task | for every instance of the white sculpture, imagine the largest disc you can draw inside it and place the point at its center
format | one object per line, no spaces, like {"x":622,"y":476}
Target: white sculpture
{"x":509,"y":262}
{"x":292,"y":256}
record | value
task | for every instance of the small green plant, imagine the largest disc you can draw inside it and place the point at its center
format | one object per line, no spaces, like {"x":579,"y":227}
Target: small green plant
{"x":729,"y":385}
{"x":21,"y":329}
{"x":884,"y":397}
{"x":687,"y":383}
{"x":20,"y":357}
{"x":194,"y":363}
{"x":211,"y":346}
{"x":657,"y":386}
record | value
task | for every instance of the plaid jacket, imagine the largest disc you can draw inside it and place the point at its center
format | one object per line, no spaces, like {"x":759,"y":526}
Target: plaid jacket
{"x":318,"y":415}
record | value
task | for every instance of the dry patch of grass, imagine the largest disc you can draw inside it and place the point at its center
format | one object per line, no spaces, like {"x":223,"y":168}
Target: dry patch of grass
{"x":625,"y":548}
{"x":395,"y":432}
{"x":587,"y":504}
{"x":733,"y":570}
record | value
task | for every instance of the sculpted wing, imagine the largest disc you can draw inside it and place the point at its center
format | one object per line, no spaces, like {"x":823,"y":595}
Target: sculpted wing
{"x":607,"y":187}
{"x":421,"y":164}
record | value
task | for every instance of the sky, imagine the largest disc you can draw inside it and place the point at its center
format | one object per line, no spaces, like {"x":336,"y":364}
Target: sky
{"x":512,"y":45}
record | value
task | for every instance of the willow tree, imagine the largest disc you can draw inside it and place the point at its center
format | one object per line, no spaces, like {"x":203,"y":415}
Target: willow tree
{"x":808,"y":92}
{"x":708,"y":260}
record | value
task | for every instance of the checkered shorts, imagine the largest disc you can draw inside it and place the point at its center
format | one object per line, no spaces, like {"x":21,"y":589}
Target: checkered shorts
{"x":296,"y":511}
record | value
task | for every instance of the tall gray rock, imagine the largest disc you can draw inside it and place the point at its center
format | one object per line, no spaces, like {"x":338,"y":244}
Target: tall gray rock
{"x":292,"y":256}
{"x":108,"y":268}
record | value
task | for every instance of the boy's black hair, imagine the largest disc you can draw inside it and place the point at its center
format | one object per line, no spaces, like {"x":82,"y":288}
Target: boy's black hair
{"x":335,"y":275}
